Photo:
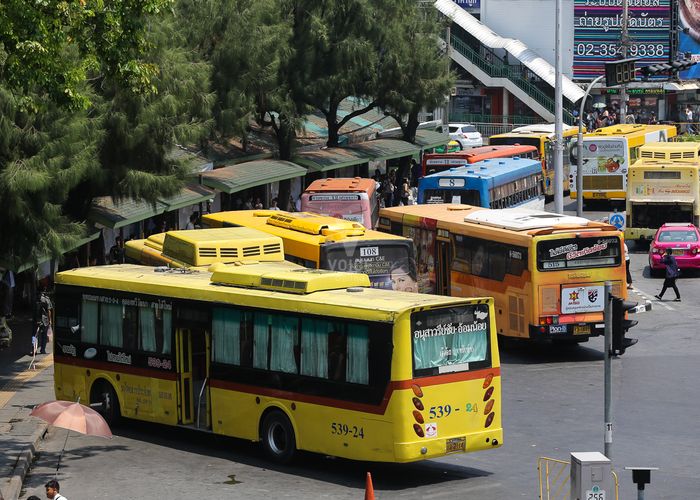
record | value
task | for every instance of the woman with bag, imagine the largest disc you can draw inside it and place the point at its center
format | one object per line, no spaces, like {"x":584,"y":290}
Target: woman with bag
{"x":672,"y":273}
{"x":44,"y":313}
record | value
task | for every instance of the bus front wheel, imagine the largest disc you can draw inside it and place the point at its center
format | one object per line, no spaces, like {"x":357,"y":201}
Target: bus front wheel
{"x":278,"y":437}
{"x":105,"y":399}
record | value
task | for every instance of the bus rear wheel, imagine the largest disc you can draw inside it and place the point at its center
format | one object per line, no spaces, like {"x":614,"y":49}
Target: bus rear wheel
{"x":278,"y":438}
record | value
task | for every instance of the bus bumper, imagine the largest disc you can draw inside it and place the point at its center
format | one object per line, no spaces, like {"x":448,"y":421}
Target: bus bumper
{"x":434,"y":448}
{"x":577,"y":332}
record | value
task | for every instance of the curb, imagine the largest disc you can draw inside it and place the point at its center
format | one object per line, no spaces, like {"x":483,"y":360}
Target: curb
{"x":24,"y":461}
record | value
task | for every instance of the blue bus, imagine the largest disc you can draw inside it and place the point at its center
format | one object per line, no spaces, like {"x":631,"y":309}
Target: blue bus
{"x":494,"y":183}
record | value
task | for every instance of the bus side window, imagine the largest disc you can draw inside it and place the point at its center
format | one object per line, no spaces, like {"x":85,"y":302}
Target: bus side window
{"x":337,"y":354}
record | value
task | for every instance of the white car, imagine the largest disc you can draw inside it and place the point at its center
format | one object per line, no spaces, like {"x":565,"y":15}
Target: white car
{"x":467,"y":135}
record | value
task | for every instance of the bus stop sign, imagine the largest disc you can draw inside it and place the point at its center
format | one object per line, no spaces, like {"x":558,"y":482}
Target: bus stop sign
{"x":618,"y":219}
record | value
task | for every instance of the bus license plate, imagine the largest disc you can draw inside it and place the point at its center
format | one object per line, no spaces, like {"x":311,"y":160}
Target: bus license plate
{"x":598,"y":195}
{"x":582,"y":329}
{"x":456,"y":444}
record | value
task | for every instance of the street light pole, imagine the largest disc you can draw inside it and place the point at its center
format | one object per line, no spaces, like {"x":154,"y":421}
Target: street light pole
{"x":579,"y":149}
{"x":607,"y":368}
{"x":558,"y":117}
{"x":624,"y":39}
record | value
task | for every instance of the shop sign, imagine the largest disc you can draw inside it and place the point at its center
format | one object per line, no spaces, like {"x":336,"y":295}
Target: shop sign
{"x":597,"y":29}
{"x":469,"y":5}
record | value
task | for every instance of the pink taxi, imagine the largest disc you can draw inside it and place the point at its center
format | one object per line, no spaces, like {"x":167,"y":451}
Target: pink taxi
{"x":683,"y":238}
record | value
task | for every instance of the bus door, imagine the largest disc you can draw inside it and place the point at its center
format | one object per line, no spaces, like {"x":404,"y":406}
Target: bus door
{"x":443,"y":268}
{"x":193,"y":360}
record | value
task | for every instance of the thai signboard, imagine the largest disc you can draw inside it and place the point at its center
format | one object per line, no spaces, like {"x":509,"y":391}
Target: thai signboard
{"x":689,"y":11}
{"x":597,"y":30}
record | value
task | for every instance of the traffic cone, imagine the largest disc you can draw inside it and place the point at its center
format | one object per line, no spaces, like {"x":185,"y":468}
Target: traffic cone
{"x":369,"y":489}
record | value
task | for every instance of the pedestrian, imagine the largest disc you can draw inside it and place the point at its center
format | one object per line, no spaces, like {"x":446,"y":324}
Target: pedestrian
{"x":416,"y":172}
{"x":689,"y":119}
{"x":405,"y":192}
{"x":273,"y":204}
{"x":193,"y":222}
{"x":44,"y":310}
{"x":627,"y":266}
{"x":116,"y":253}
{"x":52,"y":490}
{"x":672,"y":273}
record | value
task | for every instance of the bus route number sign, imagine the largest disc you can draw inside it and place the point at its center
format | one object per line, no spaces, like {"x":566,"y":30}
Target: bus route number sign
{"x":595,"y":493}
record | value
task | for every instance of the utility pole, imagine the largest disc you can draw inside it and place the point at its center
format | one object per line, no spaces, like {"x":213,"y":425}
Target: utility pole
{"x":607,"y":365}
{"x":624,"y":41}
{"x":558,"y":117}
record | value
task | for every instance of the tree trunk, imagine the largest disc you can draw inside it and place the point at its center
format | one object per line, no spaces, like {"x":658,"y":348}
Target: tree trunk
{"x":409,"y":135}
{"x":285,"y":143}
{"x":284,"y":194}
{"x":333,"y":127}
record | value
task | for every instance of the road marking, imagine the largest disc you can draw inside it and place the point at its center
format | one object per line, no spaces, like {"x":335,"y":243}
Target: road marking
{"x":654,"y":300}
{"x":12,"y":386}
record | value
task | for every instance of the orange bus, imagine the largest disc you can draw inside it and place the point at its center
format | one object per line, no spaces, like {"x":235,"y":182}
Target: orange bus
{"x":439,"y":162}
{"x":545,"y":271}
{"x":355,"y":199}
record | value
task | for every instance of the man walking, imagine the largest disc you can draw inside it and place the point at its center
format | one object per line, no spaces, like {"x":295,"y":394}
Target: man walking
{"x":52,"y":490}
{"x":672,"y":273}
{"x":627,"y":266}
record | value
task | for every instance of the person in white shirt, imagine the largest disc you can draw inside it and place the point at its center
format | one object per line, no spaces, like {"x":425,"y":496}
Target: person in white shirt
{"x":627,"y":267}
{"x":52,"y":490}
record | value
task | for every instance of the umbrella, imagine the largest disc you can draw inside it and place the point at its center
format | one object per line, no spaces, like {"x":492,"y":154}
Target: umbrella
{"x":74,"y":417}
{"x":599,"y":105}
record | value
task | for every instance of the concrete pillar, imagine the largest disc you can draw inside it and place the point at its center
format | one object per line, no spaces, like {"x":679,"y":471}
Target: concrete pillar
{"x":506,"y":103}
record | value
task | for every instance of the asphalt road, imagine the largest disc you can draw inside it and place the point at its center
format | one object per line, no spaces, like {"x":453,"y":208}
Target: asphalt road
{"x":552,"y":405}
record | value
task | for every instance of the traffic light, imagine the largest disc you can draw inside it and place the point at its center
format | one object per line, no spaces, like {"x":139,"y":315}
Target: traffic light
{"x":620,"y":72}
{"x":682,"y":64}
{"x":620,"y":325}
{"x":672,"y":67}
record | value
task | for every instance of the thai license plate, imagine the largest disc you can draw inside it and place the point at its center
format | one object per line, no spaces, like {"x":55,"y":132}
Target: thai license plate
{"x":598,"y":195}
{"x":678,"y":251}
{"x":456,"y":444}
{"x":582,"y":330}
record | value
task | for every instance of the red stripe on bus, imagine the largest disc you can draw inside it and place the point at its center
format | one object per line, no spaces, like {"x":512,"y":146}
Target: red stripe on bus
{"x":379,"y":409}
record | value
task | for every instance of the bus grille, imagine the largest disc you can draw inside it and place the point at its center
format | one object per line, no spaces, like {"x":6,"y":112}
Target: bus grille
{"x":272,"y":248}
{"x":602,"y":182}
{"x":231,"y":253}
{"x":250,"y":251}
{"x":207,"y":252}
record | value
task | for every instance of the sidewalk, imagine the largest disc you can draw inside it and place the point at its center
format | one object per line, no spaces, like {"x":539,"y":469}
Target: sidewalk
{"x":20,"y":433}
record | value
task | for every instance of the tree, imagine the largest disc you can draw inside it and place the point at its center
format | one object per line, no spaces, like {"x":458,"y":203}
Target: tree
{"x":414,"y":69}
{"x":66,"y":137}
{"x":335,"y":53}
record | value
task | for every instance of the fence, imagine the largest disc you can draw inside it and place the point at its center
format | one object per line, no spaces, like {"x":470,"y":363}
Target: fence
{"x":555,"y":479}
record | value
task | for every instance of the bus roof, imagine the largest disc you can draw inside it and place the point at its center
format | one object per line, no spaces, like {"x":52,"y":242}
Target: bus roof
{"x":304,"y":227}
{"x":632,"y":129}
{"x":525,"y":222}
{"x":665,"y":152}
{"x":497,"y":171}
{"x":227,"y":285}
{"x":351,"y":184}
{"x":485,"y":152}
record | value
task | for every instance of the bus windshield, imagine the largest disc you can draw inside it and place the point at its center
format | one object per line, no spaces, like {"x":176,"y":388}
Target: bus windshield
{"x":578,"y":253}
{"x":450,"y":340}
{"x":374,"y":258}
{"x":463,"y":196}
{"x":346,"y":206}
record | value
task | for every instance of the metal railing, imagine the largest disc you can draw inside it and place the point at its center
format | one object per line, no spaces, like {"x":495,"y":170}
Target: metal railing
{"x":515,"y":120}
{"x":491,"y":64}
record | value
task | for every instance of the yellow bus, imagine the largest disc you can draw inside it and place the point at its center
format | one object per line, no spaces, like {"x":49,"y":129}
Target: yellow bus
{"x":296,"y":358}
{"x":322,"y":242}
{"x":607,"y":155}
{"x":546,"y":272}
{"x":663,"y":186}
{"x":200,"y":248}
{"x":541,"y":136}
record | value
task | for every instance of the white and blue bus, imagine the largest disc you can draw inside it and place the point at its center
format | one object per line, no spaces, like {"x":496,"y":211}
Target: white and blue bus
{"x":495,"y":183}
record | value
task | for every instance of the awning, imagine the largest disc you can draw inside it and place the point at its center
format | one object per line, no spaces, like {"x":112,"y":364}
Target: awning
{"x":322,"y":160}
{"x":120,"y":213}
{"x":681,"y":86}
{"x":190,"y":195}
{"x":250,"y":174}
{"x":92,"y":234}
{"x":384,"y":149}
{"x":655,"y":201}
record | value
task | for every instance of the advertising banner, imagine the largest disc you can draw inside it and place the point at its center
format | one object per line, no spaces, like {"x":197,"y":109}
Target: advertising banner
{"x":472,"y":6}
{"x":597,"y":29}
{"x":582,"y":299}
{"x":604,"y":156}
{"x":689,"y":12}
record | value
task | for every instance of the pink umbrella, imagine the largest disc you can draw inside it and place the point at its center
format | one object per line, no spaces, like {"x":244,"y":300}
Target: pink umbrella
{"x":74,"y":417}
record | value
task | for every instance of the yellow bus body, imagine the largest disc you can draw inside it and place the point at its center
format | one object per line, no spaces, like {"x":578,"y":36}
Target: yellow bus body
{"x":541,"y":137}
{"x":608,"y":154}
{"x":381,"y":431}
{"x":523,"y":303}
{"x":309,"y":237}
{"x":663,"y":186}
